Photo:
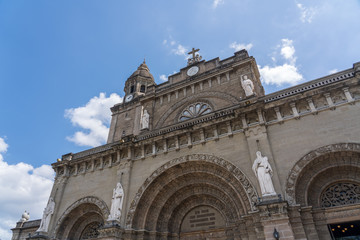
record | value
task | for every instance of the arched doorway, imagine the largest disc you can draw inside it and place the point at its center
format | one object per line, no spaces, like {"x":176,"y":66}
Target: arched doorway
{"x":328,"y":181}
{"x":82,"y":219}
{"x":193,"y":197}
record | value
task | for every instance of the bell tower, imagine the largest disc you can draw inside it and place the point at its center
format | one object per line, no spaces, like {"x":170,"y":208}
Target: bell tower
{"x":137,"y":84}
{"x":126,"y":116}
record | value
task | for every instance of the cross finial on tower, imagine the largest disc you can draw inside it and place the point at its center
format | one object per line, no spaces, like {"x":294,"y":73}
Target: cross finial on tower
{"x":195,"y":57}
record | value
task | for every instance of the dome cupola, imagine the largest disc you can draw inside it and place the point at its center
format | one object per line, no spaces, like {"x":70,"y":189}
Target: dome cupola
{"x":138,"y":82}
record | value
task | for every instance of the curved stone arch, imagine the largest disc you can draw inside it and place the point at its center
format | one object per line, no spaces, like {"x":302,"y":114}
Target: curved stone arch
{"x":184,"y":194}
{"x":188,"y":203}
{"x":230,"y":98}
{"x":85,"y":200}
{"x":324,"y":177}
{"x":300,"y":165}
{"x":177,"y":186}
{"x":250,"y":190}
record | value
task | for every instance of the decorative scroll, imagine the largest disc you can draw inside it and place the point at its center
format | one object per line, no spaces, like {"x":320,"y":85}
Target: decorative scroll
{"x":195,"y":110}
{"x":91,"y":231}
{"x":340,"y":194}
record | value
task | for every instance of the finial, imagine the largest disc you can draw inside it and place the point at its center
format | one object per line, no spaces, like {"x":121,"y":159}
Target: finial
{"x":144,"y":61}
{"x":195,"y":57}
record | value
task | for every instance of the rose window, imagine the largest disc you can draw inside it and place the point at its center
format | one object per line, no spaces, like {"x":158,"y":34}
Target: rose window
{"x":195,"y":110}
{"x":340,"y":194}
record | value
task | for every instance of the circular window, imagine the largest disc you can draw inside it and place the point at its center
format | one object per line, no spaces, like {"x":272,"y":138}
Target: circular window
{"x":195,"y":110}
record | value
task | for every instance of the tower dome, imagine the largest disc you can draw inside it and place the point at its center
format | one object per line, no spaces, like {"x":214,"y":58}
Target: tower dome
{"x":138,"y":82}
{"x":143,"y":71}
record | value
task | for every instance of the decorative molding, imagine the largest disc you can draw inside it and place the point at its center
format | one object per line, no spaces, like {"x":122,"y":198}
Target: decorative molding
{"x":308,"y":86}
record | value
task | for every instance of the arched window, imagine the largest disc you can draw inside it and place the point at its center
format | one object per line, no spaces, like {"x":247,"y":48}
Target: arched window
{"x":142,"y":88}
{"x":132,"y":89}
{"x":195,"y":110}
{"x":342,"y":193}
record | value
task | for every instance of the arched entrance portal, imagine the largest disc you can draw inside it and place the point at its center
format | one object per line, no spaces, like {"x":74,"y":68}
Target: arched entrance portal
{"x":82,"y":219}
{"x":328,"y":181}
{"x":193,"y":197}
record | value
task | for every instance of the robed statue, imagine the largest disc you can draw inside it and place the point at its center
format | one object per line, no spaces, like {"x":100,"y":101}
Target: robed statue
{"x":48,"y":212}
{"x":247,"y":85}
{"x":263,"y":172}
{"x":116,"y":203}
{"x":145,"y":119}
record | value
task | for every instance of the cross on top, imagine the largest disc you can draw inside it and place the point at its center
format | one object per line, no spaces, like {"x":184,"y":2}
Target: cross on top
{"x":195,"y":57}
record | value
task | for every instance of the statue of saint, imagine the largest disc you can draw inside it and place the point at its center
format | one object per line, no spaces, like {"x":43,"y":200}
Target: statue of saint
{"x":247,"y":85}
{"x":145,"y":119}
{"x":263,"y":172}
{"x":116,"y":203}
{"x":48,"y":212}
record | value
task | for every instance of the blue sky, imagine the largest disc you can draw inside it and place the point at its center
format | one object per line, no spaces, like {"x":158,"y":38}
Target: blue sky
{"x":63,"y":63}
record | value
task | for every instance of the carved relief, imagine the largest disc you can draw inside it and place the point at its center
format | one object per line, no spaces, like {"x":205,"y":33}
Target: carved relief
{"x":342,"y":193}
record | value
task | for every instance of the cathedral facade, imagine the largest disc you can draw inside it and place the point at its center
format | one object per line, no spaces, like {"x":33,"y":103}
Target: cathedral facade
{"x":207,"y":155}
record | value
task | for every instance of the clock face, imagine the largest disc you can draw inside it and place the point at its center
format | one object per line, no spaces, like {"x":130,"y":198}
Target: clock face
{"x":192,"y":71}
{"x":128,"y":98}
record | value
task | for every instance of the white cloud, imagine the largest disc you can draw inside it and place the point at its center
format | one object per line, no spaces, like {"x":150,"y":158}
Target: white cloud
{"x":287,"y":73}
{"x":333,"y":71}
{"x":163,"y":78}
{"x":3,"y":147}
{"x":216,"y":3}
{"x":175,"y":47}
{"x":94,"y":119}
{"x":22,"y":187}
{"x":240,"y":46}
{"x":306,"y":13}
{"x":288,"y":50}
{"x":179,"y":50}
{"x":279,"y":75}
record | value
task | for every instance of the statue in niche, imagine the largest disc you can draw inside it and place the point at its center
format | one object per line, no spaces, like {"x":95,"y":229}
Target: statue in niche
{"x":48,"y":212}
{"x":116,"y":203}
{"x":263,"y":172}
{"x":247,"y":85}
{"x":144,"y":120}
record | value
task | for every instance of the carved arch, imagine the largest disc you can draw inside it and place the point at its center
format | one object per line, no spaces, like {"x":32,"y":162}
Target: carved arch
{"x":173,"y":184}
{"x":318,"y":164}
{"x":99,"y":207}
{"x":231,"y":99}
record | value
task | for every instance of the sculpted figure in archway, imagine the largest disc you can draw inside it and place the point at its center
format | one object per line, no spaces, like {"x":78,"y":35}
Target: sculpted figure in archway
{"x":247,"y":85}
{"x":116,"y":203}
{"x":48,"y":211}
{"x":263,"y":172}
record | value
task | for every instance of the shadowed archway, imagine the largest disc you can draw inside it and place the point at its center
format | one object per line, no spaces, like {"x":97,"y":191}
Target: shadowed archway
{"x":185,"y":183}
